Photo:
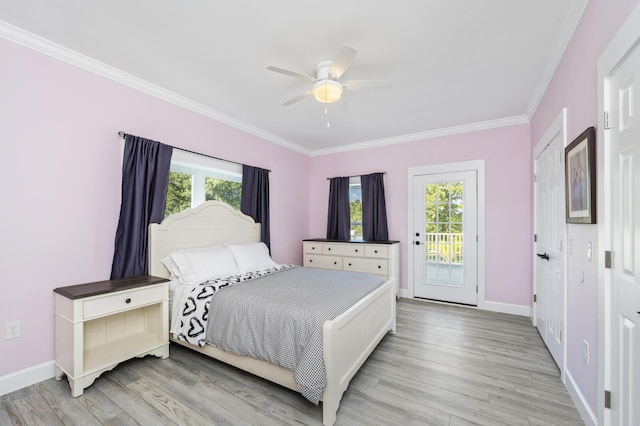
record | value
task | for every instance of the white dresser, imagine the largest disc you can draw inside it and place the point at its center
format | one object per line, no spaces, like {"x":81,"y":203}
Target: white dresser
{"x":378,"y":258}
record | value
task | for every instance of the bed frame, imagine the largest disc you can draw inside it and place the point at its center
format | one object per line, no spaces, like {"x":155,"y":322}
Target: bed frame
{"x":347,"y":340}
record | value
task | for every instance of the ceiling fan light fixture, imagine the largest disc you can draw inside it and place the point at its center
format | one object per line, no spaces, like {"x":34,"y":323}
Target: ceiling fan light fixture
{"x":327,"y":91}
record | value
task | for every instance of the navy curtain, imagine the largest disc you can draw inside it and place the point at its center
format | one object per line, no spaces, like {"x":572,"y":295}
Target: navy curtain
{"x":338,"y":220}
{"x":145,"y":179}
{"x":254,"y":200}
{"x":374,"y":209}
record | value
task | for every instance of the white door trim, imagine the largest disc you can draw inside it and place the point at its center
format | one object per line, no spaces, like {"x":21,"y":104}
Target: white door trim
{"x":477,"y":165}
{"x":622,"y":44}
{"x":557,"y":129}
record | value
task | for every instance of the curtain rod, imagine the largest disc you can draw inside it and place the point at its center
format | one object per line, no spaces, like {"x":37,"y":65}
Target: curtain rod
{"x":123,"y":134}
{"x":384,"y":173}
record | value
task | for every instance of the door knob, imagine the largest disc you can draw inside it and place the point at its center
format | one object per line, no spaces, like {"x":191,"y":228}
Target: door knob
{"x":543,"y":256}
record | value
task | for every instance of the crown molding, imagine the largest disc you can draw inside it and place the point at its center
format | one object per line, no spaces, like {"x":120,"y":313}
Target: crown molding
{"x":413,"y":137}
{"x":569,"y":26}
{"x":54,"y":50}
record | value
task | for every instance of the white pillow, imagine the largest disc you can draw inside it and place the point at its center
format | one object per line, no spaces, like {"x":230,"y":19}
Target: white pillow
{"x":204,"y":263}
{"x":252,"y":256}
{"x":172,"y":267}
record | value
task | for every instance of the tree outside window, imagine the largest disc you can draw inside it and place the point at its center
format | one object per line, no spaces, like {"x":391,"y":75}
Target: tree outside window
{"x":194,"y":179}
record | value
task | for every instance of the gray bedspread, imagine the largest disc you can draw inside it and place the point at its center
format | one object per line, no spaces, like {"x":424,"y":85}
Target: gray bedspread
{"x":279,"y":318}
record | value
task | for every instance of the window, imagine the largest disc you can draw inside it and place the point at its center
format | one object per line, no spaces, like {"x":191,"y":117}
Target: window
{"x":194,"y":179}
{"x":355,"y":207}
{"x":444,"y":240}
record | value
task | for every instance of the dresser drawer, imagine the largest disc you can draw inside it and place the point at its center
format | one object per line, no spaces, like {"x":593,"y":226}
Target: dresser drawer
{"x":324,"y":262}
{"x":344,"y":249}
{"x":370,"y":266}
{"x":125,"y":300}
{"x":376,"y":251}
{"x":312,"y":247}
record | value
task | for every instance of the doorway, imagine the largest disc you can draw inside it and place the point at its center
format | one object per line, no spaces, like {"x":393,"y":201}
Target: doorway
{"x":550,"y":288}
{"x":445,"y":262}
{"x":619,"y":213}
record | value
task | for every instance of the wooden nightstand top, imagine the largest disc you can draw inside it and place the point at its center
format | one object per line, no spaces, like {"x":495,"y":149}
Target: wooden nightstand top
{"x":80,"y":291}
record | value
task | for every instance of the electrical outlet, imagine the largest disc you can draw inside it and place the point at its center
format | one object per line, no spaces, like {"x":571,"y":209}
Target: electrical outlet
{"x":12,"y":330}
{"x":585,"y":351}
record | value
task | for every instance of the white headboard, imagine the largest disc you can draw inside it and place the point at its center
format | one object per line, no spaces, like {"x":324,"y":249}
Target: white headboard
{"x":210,"y":222}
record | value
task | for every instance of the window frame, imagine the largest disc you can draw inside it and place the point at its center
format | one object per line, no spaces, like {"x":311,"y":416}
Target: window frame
{"x":201,"y":167}
{"x":354,"y":181}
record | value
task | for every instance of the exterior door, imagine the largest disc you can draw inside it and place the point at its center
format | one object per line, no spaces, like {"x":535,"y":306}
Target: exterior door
{"x":622,"y":142}
{"x":445,"y":246}
{"x":550,"y":287}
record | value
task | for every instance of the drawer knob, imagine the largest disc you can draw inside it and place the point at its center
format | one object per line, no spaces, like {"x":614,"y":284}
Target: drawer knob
{"x":349,"y":264}
{"x":356,"y":250}
{"x":375,"y":251}
{"x":379,"y":267}
{"x":128,"y":300}
{"x":329,"y":249}
{"x":310,"y":260}
{"x":335,"y":263}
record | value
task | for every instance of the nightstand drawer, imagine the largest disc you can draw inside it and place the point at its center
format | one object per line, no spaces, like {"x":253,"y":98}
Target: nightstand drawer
{"x":111,"y":303}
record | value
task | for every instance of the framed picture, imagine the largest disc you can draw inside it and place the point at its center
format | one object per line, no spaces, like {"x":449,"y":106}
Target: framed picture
{"x":580,"y":181}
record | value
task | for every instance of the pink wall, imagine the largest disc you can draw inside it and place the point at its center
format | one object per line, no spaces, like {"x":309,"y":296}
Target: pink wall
{"x":60,"y":184}
{"x":575,"y":86}
{"x":507,"y":156}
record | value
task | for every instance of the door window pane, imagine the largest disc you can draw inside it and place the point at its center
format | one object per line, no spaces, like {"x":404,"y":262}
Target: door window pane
{"x":444,"y":247}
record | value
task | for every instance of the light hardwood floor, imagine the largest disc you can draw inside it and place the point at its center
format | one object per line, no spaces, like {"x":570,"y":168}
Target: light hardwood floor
{"x":446,"y":365}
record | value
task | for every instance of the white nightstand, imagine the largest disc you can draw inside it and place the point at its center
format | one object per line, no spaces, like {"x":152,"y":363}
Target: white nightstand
{"x":98,"y":325}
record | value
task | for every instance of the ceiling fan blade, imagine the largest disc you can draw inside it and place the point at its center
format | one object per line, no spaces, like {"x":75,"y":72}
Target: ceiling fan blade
{"x":367,"y":85}
{"x":342,"y":61}
{"x":300,"y":97}
{"x":292,"y":74}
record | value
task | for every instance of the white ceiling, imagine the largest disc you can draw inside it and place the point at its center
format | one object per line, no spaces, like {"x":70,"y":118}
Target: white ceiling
{"x":454,"y":65}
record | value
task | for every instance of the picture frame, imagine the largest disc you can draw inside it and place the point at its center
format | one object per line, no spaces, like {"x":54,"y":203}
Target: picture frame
{"x":580,"y":178}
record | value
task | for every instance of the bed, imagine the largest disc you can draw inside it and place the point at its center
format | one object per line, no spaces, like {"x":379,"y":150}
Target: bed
{"x":347,"y":340}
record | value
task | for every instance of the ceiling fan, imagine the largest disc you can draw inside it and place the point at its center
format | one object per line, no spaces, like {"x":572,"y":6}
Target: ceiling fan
{"x":327,"y":86}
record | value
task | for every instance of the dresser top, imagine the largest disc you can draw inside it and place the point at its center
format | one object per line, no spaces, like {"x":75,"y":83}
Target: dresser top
{"x":328,"y":240}
{"x":80,"y":291}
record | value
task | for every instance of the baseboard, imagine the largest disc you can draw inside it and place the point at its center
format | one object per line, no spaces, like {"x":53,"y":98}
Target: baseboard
{"x":507,"y":308}
{"x":27,"y":377}
{"x":588,"y":416}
